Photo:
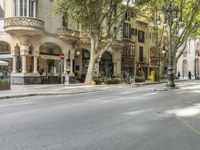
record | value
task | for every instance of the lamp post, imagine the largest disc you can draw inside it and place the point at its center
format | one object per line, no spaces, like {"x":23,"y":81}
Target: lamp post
{"x":171,"y":17}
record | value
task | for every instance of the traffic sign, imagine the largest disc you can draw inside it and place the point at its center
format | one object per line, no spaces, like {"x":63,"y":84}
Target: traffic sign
{"x":62,"y":56}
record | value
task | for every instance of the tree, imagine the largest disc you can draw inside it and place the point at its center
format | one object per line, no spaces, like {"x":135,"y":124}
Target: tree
{"x":187,"y":27}
{"x":101,"y":19}
{"x":190,"y":29}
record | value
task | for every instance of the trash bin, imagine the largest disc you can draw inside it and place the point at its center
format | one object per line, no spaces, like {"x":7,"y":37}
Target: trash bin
{"x":152,"y":76}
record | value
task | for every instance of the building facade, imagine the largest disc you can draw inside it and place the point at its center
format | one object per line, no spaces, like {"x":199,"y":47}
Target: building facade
{"x":190,"y":60}
{"x":32,"y":42}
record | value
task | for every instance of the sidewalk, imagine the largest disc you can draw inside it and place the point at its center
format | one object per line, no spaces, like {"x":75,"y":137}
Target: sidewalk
{"x":42,"y":90}
{"x":58,"y":89}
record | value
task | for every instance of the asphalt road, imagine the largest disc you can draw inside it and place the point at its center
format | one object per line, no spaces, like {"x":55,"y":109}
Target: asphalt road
{"x":121,"y":118}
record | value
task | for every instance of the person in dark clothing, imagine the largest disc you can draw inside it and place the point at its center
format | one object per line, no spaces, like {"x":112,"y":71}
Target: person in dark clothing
{"x":189,"y":75}
{"x":179,"y":74}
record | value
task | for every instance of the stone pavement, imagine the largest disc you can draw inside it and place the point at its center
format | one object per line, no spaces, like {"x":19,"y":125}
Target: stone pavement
{"x":58,"y":89}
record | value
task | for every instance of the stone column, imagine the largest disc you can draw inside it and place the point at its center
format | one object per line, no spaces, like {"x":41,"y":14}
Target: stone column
{"x":14,"y":54}
{"x":24,"y":53}
{"x":117,"y":67}
{"x":35,"y":61}
{"x":71,"y":66}
{"x":65,"y":63}
{"x":14,"y":68}
{"x":71,"y":62}
{"x":24,"y":70}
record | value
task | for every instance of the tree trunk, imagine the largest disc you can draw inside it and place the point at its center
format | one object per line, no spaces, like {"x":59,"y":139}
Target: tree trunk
{"x":89,"y":77}
{"x":175,"y":66}
{"x":161,"y":70}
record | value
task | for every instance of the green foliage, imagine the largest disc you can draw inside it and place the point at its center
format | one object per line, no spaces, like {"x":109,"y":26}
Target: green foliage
{"x":189,"y":13}
{"x":90,"y":13}
{"x":101,"y":19}
{"x":87,"y":12}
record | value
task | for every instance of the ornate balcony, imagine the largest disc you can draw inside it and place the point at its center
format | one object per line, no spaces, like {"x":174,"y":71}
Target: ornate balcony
{"x":27,"y":26}
{"x":142,"y":21}
{"x":68,"y":34}
{"x":84,"y":38}
{"x":117,"y":44}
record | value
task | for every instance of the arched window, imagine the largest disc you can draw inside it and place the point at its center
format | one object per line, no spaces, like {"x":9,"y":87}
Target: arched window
{"x":25,"y":8}
{"x":106,"y":65}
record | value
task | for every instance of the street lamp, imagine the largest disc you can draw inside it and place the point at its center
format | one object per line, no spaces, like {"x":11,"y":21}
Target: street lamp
{"x":171,"y":17}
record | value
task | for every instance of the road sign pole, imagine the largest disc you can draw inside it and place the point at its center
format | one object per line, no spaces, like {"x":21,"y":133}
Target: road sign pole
{"x":61,"y":70}
{"x":62,"y":57}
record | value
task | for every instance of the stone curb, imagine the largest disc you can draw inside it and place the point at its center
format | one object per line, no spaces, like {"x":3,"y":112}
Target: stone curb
{"x":45,"y":94}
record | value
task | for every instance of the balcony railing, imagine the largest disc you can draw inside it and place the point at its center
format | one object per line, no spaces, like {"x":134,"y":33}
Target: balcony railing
{"x":84,"y":38}
{"x":23,"y":22}
{"x":68,"y":33}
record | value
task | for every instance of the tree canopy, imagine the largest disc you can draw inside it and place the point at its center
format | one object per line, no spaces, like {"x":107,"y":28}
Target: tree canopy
{"x":188,"y":25}
{"x":101,"y":19}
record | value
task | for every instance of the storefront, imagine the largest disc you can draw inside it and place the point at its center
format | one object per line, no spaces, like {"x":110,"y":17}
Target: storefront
{"x":49,"y":63}
{"x":106,"y":65}
{"x":5,"y":66}
{"x":127,"y":60}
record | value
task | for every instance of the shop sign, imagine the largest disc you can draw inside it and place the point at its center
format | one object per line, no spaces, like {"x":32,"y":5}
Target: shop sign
{"x":62,"y":56}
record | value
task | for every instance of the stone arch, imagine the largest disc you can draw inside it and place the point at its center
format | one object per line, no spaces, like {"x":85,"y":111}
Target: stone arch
{"x":197,"y":52}
{"x":106,"y":65}
{"x":49,"y":62}
{"x":50,"y":48}
{"x":5,"y":47}
{"x":65,"y":46}
{"x":5,"y":56}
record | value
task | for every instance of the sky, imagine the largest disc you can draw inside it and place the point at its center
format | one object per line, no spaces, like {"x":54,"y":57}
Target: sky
{"x":1,"y":15}
{"x":1,"y":3}
{"x":1,"y":9}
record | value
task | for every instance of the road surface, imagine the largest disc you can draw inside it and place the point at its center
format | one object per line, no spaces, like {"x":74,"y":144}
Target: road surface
{"x":112,"y":118}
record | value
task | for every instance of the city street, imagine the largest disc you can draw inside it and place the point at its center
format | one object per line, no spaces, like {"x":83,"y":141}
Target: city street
{"x":147,"y":117}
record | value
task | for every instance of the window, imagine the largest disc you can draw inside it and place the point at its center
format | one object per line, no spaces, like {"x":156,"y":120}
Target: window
{"x":154,"y":37}
{"x":128,"y":51}
{"x":141,"y":36}
{"x":31,"y":8}
{"x":21,"y":7}
{"x":65,"y":20}
{"x":141,"y":58}
{"x":127,"y":16}
{"x":126,"y":30}
{"x":133,"y":31}
{"x":24,"y":8}
{"x":15,"y":8}
{"x":197,"y":52}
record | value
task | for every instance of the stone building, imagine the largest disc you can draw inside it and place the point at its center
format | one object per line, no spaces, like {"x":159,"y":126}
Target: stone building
{"x":32,"y":42}
{"x":190,"y":60}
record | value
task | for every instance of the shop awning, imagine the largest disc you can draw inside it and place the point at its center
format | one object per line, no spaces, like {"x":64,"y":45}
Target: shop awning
{"x":3,"y":63}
